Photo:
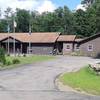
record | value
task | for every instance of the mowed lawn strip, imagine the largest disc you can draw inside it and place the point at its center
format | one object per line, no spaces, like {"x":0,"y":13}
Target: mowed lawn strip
{"x":83,"y":80}
{"x":26,"y":60}
{"x":30,"y":59}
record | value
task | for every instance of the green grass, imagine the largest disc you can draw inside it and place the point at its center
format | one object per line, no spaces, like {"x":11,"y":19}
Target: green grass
{"x":83,"y":80}
{"x":26,"y":60}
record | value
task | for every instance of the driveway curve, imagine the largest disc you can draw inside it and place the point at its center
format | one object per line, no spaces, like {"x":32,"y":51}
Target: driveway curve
{"x":37,"y":81}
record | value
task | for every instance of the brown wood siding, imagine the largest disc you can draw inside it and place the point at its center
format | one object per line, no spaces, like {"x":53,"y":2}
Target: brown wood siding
{"x":65,"y":50}
{"x":42,"y":48}
{"x":96,"y":47}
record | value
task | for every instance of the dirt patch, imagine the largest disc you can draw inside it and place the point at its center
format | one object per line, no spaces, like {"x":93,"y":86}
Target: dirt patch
{"x":63,"y":87}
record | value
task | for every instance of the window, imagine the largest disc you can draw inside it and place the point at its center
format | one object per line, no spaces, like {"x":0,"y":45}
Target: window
{"x":90,"y":47}
{"x":77,"y":48}
{"x":68,"y":47}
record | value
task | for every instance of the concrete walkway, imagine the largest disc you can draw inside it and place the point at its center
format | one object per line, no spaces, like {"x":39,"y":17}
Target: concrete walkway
{"x":37,"y":81}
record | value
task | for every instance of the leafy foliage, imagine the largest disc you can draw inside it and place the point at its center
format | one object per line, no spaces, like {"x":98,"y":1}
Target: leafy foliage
{"x":8,"y":63}
{"x":23,"y":19}
{"x":15,"y":61}
{"x":2,"y":56}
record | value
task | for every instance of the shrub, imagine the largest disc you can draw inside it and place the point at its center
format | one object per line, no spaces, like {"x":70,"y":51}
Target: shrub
{"x":97,"y":56}
{"x":8,"y":55}
{"x":15,"y":61}
{"x":8,"y":63}
{"x":24,"y":55}
{"x":2,"y":56}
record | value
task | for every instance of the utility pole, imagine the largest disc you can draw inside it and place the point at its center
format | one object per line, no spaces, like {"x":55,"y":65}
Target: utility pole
{"x":8,"y":37}
{"x":30,"y":39}
{"x":14,"y":44}
{"x":30,"y":31}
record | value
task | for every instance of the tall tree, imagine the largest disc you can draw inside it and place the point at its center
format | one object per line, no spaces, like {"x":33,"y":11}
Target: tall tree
{"x":23,"y":20}
{"x":88,"y":2}
{"x":68,"y":21}
{"x":3,"y":26}
{"x":97,"y":9}
{"x":0,"y":13}
{"x":81,"y":23}
{"x":35,"y":21}
{"x":64,"y":20}
{"x":9,"y":19}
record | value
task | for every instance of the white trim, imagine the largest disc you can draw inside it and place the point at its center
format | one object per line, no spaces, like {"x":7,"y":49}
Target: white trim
{"x":77,"y":48}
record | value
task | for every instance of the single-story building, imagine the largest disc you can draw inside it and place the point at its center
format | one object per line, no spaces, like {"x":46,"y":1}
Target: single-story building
{"x":66,"y":43}
{"x":48,"y":42}
{"x":36,"y":43}
{"x":90,"y":46}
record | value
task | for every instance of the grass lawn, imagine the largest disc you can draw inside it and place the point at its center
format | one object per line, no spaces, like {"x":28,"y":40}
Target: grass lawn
{"x":26,"y":60}
{"x":83,"y":80}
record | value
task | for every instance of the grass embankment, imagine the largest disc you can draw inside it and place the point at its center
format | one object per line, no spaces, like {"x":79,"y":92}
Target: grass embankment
{"x":25,"y":60}
{"x":83,"y":80}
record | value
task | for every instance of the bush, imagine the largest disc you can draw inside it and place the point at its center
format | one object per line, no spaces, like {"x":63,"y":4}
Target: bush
{"x":2,"y":56}
{"x":97,"y":56}
{"x":8,"y":63}
{"x":8,"y":55}
{"x":15,"y":61}
{"x":24,"y":55}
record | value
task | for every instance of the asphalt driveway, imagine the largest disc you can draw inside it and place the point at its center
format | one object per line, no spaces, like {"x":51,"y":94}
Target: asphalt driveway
{"x":37,"y":81}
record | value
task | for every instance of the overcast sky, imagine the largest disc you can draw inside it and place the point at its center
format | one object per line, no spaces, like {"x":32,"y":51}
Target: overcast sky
{"x":39,"y":5}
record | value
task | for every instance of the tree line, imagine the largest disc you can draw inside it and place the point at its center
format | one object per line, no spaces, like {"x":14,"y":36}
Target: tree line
{"x":81,"y":23}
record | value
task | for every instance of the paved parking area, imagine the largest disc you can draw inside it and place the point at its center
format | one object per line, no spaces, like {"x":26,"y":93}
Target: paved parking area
{"x":37,"y":81}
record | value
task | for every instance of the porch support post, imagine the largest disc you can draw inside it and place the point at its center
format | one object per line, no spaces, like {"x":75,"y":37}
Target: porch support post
{"x":21,"y":47}
{"x":0,"y":44}
{"x":8,"y":45}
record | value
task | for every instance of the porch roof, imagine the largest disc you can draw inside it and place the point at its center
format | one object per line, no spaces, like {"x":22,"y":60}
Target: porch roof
{"x":47,"y":37}
{"x":66,"y":38}
{"x":3,"y":36}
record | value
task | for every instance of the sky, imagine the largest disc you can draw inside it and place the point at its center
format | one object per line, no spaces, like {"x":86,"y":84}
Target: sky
{"x":39,"y":5}
{"x":71,"y":4}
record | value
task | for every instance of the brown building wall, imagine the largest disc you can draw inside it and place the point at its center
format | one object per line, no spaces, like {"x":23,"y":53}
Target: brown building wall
{"x":96,"y":47}
{"x":42,"y":48}
{"x":67,"y":48}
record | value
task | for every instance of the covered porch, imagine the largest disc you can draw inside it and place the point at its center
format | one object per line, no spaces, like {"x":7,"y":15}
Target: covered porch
{"x":13,"y":46}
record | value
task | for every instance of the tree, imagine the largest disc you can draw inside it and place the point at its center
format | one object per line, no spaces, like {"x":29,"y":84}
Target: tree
{"x":9,"y":19}
{"x":91,"y":19}
{"x":82,"y":23}
{"x":96,"y":6}
{"x":88,"y":2}
{"x":23,"y":20}
{"x":63,"y":20}
{"x":94,"y":13}
{"x":0,"y":13}
{"x":35,"y":21}
{"x":3,"y":26}
{"x":68,"y":21}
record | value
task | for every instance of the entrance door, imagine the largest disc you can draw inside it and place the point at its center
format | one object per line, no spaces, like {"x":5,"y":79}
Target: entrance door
{"x":60,"y":47}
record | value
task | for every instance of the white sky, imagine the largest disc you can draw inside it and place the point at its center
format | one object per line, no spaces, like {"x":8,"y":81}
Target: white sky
{"x":39,"y":5}
{"x":80,"y":6}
